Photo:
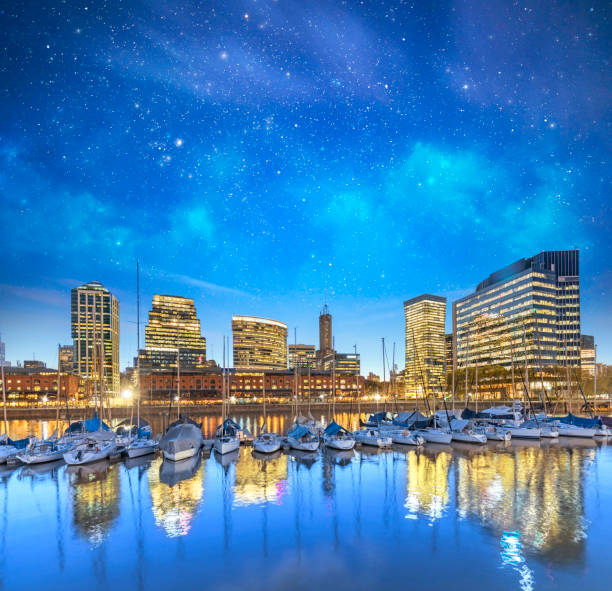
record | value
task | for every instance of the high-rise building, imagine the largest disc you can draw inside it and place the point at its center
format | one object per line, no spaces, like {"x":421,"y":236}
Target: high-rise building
{"x":34,"y":364}
{"x":302,"y":356}
{"x":173,"y":326}
{"x":527,"y":310}
{"x":66,"y":358}
{"x":587,"y":354}
{"x":425,"y":318}
{"x":448,"y":351}
{"x":95,"y":334}
{"x":259,"y":343}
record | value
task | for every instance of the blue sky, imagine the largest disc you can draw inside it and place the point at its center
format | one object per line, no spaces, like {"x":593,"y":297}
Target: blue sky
{"x":267,"y":157}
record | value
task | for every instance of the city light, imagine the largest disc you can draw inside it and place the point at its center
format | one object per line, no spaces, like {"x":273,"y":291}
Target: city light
{"x":126,"y":394}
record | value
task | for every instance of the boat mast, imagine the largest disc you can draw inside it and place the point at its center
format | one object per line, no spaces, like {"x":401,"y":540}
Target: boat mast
{"x":263,"y":391}
{"x":4,"y":401}
{"x":467,"y":361}
{"x":59,"y":390}
{"x":223,"y":389}
{"x":334,"y":388}
{"x":384,"y":373}
{"x":137,"y":350}
{"x":453,"y":354}
{"x":178,"y":383}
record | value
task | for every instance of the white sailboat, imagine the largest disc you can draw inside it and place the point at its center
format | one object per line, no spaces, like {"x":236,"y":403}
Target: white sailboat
{"x":142,"y":444}
{"x":226,"y":436}
{"x":405,"y":437}
{"x":97,"y":446}
{"x":372,"y":437}
{"x":337,"y":437}
{"x":39,"y":452}
{"x":266,"y":443}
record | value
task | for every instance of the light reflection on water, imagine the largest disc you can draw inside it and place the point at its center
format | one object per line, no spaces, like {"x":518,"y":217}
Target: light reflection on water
{"x":519,"y":516}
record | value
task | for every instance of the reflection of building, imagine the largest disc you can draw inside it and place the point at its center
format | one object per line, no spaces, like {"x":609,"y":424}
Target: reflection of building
{"x":174,"y":507}
{"x":66,"y":358}
{"x":427,"y":483}
{"x":536,"y":491}
{"x":302,"y":356}
{"x":530,"y":308}
{"x":173,"y":325}
{"x":260,"y":481}
{"x":259,"y":343}
{"x":95,"y":333}
{"x":587,"y":354}
{"x":95,"y":499}
{"x":425,"y":346}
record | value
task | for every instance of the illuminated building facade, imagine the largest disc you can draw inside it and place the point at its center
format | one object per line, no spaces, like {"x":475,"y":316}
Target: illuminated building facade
{"x":349,"y":363}
{"x":587,"y":354}
{"x":527,"y":310}
{"x":325,"y":354}
{"x":302,"y":356}
{"x":425,"y":318}
{"x":448,"y":351}
{"x":36,"y":386}
{"x":66,"y":358}
{"x":173,"y":326}
{"x":95,"y":333}
{"x":259,"y":343}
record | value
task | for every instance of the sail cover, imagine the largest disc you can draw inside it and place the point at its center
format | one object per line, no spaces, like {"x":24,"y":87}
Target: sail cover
{"x":298,"y":431}
{"x":571,"y":419}
{"x":333,"y":429}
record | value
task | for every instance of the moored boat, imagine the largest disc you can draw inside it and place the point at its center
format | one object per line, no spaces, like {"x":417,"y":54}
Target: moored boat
{"x":98,"y":446}
{"x":405,"y":437}
{"x":372,"y":437}
{"x":337,"y":437}
{"x":301,"y":438}
{"x":182,"y":440}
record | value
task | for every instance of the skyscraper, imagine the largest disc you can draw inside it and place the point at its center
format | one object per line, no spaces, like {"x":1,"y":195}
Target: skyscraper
{"x":325,"y":331}
{"x":173,"y":326}
{"x":66,"y":358}
{"x":259,"y":343}
{"x":527,"y":310}
{"x":95,"y":333}
{"x":302,"y":356}
{"x":425,"y":318}
{"x":587,"y":354}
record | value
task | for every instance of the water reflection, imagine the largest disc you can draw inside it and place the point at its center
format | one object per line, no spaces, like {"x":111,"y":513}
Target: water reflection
{"x":95,"y":499}
{"x":260,"y":478}
{"x":176,"y":493}
{"x":535,"y":491}
{"x":427,"y":482}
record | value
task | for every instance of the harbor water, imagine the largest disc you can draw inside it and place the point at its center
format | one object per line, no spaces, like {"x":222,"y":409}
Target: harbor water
{"x":515,"y":516}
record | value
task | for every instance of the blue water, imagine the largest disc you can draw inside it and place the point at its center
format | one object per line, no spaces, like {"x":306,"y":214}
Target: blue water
{"x":503,"y":517}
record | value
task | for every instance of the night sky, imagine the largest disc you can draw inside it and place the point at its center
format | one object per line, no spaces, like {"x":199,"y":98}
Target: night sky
{"x":266,"y":157}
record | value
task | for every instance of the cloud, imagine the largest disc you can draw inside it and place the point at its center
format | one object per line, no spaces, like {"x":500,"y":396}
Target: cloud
{"x":205,"y":285}
{"x":51,"y":297}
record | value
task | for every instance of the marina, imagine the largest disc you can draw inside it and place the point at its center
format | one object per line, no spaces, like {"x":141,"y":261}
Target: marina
{"x":522,"y":514}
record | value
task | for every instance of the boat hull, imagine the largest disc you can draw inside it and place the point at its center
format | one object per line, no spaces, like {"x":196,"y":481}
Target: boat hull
{"x":177,"y":456}
{"x":225,"y":447}
{"x":7,"y":452}
{"x":43,"y":458}
{"x":74,"y":458}
{"x":298,"y":445}
{"x":136,"y":451}
{"x":266,"y":447}
{"x":576,"y":432}
{"x":406,"y":438}
{"x":477,"y":438}
{"x":524,"y":433}
{"x":340,"y":444}
{"x":435,"y":436}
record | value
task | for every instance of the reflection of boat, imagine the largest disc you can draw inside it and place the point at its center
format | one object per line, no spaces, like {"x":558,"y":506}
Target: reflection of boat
{"x":366,"y":450}
{"x":524,"y":442}
{"x":583,"y":442}
{"x":468,"y":448}
{"x":172,"y":472}
{"x":98,"y":446}
{"x":306,"y":458}
{"x":83,"y":474}
{"x":34,"y":470}
{"x":140,"y":461}
{"x":266,"y":456}
{"x":340,"y":457}
{"x":227,"y":459}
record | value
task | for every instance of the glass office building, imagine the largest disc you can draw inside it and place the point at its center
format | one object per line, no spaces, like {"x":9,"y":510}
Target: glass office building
{"x":94,"y":322}
{"x":527,"y":312}
{"x":173,"y":326}
{"x":425,"y":317}
{"x":302,"y":356}
{"x":259,"y":343}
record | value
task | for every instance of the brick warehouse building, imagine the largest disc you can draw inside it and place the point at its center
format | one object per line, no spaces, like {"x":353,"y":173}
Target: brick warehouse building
{"x":30,"y":388}
{"x":204,"y":386}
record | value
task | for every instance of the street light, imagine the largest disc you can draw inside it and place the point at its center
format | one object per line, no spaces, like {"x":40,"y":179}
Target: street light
{"x":126,"y":394}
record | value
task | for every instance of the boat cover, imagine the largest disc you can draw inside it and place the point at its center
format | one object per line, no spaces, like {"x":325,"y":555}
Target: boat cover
{"x":333,"y":429}
{"x":415,"y":419}
{"x":299,"y":431}
{"x":228,"y":427}
{"x":383,"y":415}
{"x":571,"y":419}
{"x":19,"y":443}
{"x":184,"y":420}
{"x":459,"y":424}
{"x":497,"y":412}
{"x":89,"y":425}
{"x":181,"y":437}
{"x":468,"y":413}
{"x":101,"y":435}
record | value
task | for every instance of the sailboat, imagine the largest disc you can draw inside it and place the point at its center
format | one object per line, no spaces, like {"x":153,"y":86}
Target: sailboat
{"x":226,"y":435}
{"x":266,"y":443}
{"x":182,"y":440}
{"x":334,"y":435}
{"x":142,"y":444}
{"x":97,"y":446}
{"x":9,"y":448}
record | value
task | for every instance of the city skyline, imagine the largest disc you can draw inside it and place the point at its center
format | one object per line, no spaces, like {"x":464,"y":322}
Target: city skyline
{"x":127,"y":360}
{"x":266,"y":158}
